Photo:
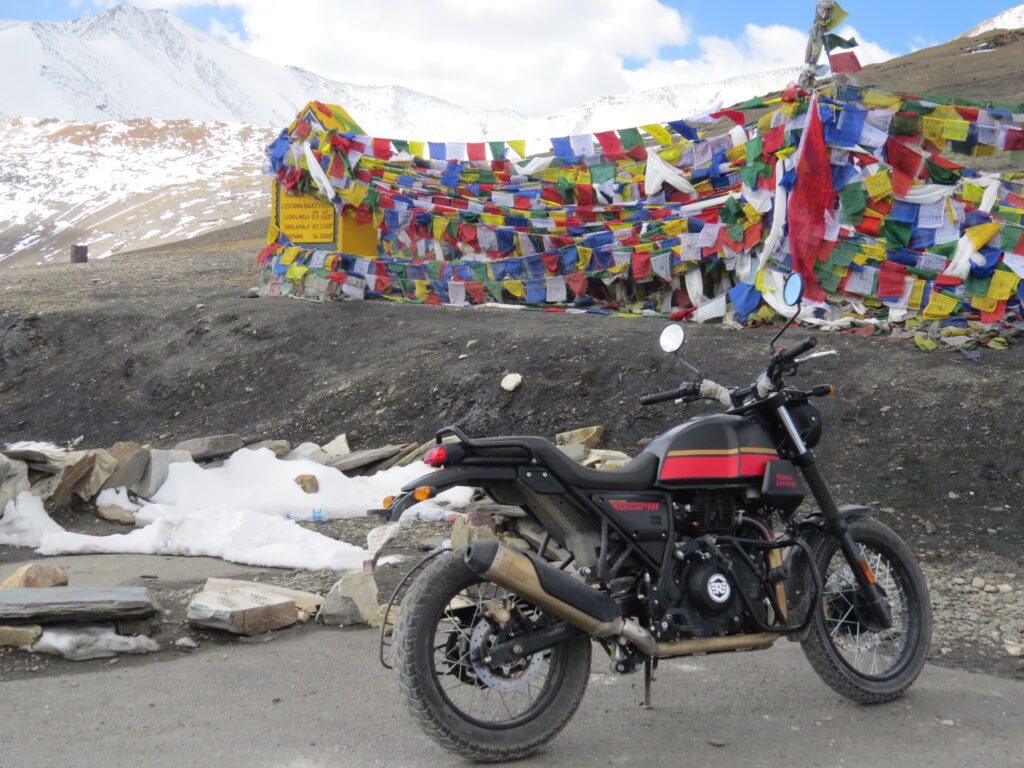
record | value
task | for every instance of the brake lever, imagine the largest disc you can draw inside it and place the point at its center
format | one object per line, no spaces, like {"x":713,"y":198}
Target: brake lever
{"x":816,"y":354}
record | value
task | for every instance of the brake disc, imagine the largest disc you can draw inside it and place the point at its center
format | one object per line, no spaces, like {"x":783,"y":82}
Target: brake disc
{"x":507,"y":677}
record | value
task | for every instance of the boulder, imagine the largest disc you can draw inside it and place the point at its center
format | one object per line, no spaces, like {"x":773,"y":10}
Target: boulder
{"x":575,"y":451}
{"x":338,"y":446}
{"x":20,"y":636}
{"x":278,"y":447}
{"x":242,"y":611}
{"x":306,"y":603}
{"x":511,"y":382}
{"x":116,"y":514}
{"x":308,"y":452}
{"x":211,"y":447}
{"x":132,"y":464}
{"x":588,"y":436}
{"x":472,"y":527}
{"x":352,"y":600}
{"x":308,"y":483}
{"x":156,"y":472}
{"x":104,"y":465}
{"x":13,"y":479}
{"x":36,"y":575}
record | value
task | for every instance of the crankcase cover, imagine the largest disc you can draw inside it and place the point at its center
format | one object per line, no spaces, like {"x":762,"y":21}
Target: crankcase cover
{"x":723,"y":449}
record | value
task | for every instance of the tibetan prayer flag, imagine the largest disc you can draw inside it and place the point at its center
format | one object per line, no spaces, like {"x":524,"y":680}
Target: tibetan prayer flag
{"x":519,"y":145}
{"x":879,"y":185}
{"x":835,"y":41}
{"x":940,"y":305}
{"x":812,"y":196}
{"x":658,"y":133}
{"x":836,"y":18}
{"x":610,"y":143}
{"x":475,"y":152}
{"x":843,"y":63}
{"x":684,"y":129}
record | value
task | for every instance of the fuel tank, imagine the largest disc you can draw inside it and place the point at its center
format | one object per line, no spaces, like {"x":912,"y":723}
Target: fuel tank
{"x":723,"y":450}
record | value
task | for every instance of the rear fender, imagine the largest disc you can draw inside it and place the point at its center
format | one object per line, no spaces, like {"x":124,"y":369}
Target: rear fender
{"x":449,"y":477}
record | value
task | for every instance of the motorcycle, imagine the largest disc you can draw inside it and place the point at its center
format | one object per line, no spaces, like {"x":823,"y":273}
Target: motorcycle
{"x":694,"y":547}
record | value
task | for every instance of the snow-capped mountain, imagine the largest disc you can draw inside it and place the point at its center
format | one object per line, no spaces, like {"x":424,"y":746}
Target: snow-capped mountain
{"x":1011,"y":18}
{"x":128,"y":63}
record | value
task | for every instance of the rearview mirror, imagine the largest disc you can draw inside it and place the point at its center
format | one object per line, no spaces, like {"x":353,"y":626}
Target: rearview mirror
{"x":672,"y":338}
{"x":793,"y":290}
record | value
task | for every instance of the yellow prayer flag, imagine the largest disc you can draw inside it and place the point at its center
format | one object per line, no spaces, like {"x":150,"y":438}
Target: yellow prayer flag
{"x":879,"y":185}
{"x":759,"y":282}
{"x":982,"y":150}
{"x":737,"y":153}
{"x":416,"y":148}
{"x":519,"y":145}
{"x":582,"y":257}
{"x":644,"y":247}
{"x":492,"y":218}
{"x":983,"y":303}
{"x":879,"y":100}
{"x":764,"y":124}
{"x":671,"y":155}
{"x":290,"y":254}
{"x":876,"y":252}
{"x":354,"y":195}
{"x":753,"y":215}
{"x":675,"y":227}
{"x":982,"y":233}
{"x":939,"y":306}
{"x":583,"y":177}
{"x":933,"y":128}
{"x":955,"y":130}
{"x":515,"y":287}
{"x":785,"y":152}
{"x":1003,"y":285}
{"x":616,"y":269}
{"x":438,"y":224}
{"x":765,"y":313}
{"x":658,"y":132}
{"x":972,"y":193}
{"x":916,"y":294}
{"x":296,"y":272}
{"x":421,"y":288}
{"x":861,"y":258}
{"x":836,"y":18}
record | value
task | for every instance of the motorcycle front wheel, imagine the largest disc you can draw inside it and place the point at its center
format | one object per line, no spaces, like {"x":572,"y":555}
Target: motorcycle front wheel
{"x":446,"y":623}
{"x":868,"y":666}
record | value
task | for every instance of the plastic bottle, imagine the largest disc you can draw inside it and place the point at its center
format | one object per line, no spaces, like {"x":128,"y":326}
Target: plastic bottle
{"x":314,"y":515}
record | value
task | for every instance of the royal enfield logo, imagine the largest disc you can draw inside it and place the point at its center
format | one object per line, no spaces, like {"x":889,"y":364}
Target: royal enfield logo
{"x":718,"y":588}
{"x":784,"y":481}
{"x":635,"y":506}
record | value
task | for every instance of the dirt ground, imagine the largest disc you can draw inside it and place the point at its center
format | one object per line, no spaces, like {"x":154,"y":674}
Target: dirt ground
{"x":165,"y":345}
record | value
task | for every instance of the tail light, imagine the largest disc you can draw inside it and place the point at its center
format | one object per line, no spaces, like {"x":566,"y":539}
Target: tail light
{"x":445,"y":453}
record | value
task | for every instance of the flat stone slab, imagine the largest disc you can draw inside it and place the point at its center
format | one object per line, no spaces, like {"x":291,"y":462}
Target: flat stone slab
{"x":305,"y":602}
{"x":242,"y":611}
{"x":211,"y":447}
{"x":365,"y":457}
{"x":46,"y":604}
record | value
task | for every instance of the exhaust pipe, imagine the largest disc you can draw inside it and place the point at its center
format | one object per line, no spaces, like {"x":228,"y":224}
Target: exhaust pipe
{"x":555,"y":591}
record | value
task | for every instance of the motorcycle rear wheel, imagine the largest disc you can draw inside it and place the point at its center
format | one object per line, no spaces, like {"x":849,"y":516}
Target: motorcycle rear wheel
{"x":865,"y":666}
{"x":482,"y":713}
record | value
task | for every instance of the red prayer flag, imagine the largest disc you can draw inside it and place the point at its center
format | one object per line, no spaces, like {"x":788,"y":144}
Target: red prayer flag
{"x":773,"y":140}
{"x":577,"y":281}
{"x":1014,"y":141}
{"x":610,"y":142}
{"x":890,"y":280}
{"x":845,"y":62}
{"x":641,"y":266}
{"x":996,"y":315}
{"x":550,"y":259}
{"x":733,"y":114}
{"x":475,"y":151}
{"x":906,"y":164}
{"x":267,"y":252}
{"x":475,"y":291}
{"x":812,"y":195}
{"x":382,"y":148}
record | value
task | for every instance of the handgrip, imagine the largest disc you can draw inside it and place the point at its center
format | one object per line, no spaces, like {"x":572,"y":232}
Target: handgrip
{"x":789,"y":354}
{"x":672,"y":394}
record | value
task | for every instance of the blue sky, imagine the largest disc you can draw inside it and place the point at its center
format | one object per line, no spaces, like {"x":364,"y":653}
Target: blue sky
{"x":502,"y":53}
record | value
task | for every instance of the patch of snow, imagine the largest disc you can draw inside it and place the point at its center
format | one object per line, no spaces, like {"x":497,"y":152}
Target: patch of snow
{"x":33,"y":445}
{"x":1011,"y":18}
{"x":91,"y":642}
{"x":117,"y":497}
{"x":25,"y":522}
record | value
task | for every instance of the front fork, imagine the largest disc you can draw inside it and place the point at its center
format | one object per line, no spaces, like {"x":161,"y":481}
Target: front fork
{"x":836,"y":526}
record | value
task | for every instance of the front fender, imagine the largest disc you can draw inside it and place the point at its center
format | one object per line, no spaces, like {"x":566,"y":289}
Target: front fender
{"x":449,"y":477}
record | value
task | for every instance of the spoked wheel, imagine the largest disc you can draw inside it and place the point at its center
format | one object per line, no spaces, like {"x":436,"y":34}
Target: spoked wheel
{"x":853,"y":656}
{"x":448,"y":623}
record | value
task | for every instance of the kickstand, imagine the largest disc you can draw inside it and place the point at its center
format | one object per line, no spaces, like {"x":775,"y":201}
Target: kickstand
{"x":648,"y":678}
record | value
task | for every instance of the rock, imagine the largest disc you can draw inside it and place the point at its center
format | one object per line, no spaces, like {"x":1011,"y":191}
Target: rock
{"x":211,"y":447}
{"x":241,"y":611}
{"x":278,"y":447}
{"x":1013,"y":649}
{"x":588,"y":436}
{"x":575,"y":451}
{"x":36,"y":575}
{"x":990,"y":588}
{"x":399,"y":459}
{"x":352,"y":600}
{"x":306,"y":603}
{"x":1005,"y":588}
{"x":60,"y":496}
{"x":42,"y":605}
{"x":156,"y":472}
{"x":186,"y":642}
{"x":602,"y":459}
{"x":978,"y":583}
{"x":13,"y":479}
{"x":365,"y":458}
{"x":929,"y":527}
{"x":19,"y":636}
{"x":338,"y":446}
{"x":472,"y":527}
{"x":103,"y":467}
{"x":308,"y":452}
{"x":308,"y":483}
{"x":116,"y":514}
{"x":131,"y":466}
{"x":511,"y":382}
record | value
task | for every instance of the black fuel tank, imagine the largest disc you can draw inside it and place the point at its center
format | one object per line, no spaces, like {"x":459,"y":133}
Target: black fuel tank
{"x":723,"y":449}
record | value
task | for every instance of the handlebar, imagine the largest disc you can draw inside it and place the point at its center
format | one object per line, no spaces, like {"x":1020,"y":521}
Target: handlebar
{"x":789,"y":354}
{"x":685,"y":389}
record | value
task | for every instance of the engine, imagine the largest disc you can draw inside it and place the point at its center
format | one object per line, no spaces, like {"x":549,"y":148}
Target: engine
{"x":704,"y":511}
{"x":702,"y":595}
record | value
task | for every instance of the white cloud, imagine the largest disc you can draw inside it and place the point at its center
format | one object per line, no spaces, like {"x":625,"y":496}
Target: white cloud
{"x":533,"y":56}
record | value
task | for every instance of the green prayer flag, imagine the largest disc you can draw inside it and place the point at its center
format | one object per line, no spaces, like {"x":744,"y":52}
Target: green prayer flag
{"x":835,"y":41}
{"x":434,"y":269}
{"x":630,"y":137}
{"x":939,"y":175}
{"x":944,"y":249}
{"x":1010,"y":237}
{"x":897,"y":235}
{"x":754,"y":149}
{"x":497,"y":149}
{"x":494,"y":288}
{"x":844,"y":253}
{"x":479,"y":270}
{"x":753,"y":103}
{"x":905,"y":125}
{"x":602,"y":172}
{"x":401,"y":145}
{"x":853,"y":199}
{"x":976,"y":286}
{"x":732,"y":211}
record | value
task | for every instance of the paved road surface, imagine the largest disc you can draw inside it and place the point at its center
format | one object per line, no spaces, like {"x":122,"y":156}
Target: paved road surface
{"x":316,"y":697}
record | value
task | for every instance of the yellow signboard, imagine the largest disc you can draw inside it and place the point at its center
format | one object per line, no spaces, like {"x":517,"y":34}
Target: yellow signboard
{"x":304,"y":219}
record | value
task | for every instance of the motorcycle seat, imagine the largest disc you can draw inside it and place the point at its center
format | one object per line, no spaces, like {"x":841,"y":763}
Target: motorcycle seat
{"x":638,"y":475}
